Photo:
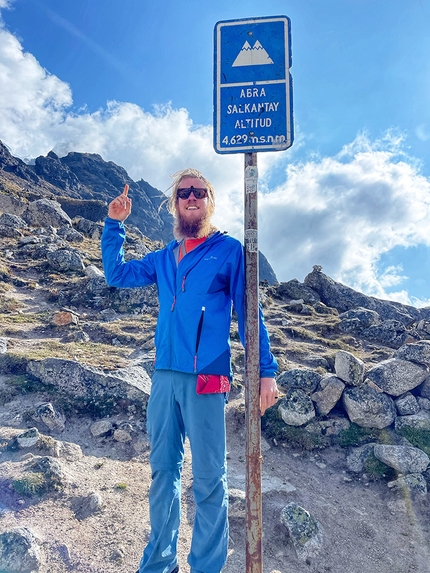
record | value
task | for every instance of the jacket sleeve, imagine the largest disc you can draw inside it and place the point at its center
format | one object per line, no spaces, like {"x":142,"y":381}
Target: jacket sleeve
{"x":268,"y":363}
{"x":118,"y":272}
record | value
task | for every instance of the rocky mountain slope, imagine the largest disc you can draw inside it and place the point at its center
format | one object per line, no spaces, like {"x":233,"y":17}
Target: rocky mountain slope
{"x":83,"y":184}
{"x":77,"y":177}
{"x":345,"y":469}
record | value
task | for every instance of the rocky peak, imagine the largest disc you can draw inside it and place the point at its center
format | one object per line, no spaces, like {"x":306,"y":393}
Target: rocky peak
{"x":84,"y":184}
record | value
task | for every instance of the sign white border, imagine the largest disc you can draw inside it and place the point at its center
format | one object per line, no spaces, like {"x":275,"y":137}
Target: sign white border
{"x":288,"y":88}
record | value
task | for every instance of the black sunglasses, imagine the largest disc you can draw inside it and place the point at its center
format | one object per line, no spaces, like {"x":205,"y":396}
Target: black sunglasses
{"x":185,"y":192}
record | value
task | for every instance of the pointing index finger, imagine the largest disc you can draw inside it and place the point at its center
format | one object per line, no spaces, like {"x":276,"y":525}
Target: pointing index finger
{"x":125,"y":192}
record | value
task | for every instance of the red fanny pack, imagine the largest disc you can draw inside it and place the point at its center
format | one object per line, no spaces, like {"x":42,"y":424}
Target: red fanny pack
{"x":212,"y":384}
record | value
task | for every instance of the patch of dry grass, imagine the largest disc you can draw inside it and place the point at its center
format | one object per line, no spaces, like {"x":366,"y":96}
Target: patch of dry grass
{"x":9,"y":305}
{"x":23,"y":318}
{"x":5,"y":287}
{"x":99,"y":355}
{"x":9,"y":186}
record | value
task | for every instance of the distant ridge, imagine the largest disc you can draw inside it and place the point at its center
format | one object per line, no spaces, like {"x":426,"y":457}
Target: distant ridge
{"x":86,"y":177}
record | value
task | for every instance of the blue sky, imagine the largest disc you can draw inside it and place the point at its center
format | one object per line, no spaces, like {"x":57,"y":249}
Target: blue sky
{"x":133,"y":81}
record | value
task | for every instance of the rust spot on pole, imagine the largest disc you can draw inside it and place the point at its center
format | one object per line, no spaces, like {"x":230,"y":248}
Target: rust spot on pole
{"x":254,"y":518}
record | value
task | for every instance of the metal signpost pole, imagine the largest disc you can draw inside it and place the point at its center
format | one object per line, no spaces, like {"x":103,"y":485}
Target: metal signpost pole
{"x":254,"y":510}
{"x":253,"y":112}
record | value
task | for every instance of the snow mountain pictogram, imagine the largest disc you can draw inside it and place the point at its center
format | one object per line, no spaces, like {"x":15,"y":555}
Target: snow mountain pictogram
{"x":256,"y":56}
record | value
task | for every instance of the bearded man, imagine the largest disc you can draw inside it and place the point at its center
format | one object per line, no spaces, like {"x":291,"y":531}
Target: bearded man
{"x":199,"y":276}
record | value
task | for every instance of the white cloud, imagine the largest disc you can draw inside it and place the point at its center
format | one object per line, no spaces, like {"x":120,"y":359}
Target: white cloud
{"x":341,"y":212}
{"x":32,"y":101}
{"x":36,"y":116}
{"x":419,"y":302}
{"x":392,"y":276}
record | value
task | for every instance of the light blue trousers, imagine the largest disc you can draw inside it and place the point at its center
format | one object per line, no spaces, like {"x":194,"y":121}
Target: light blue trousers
{"x":174,"y":411}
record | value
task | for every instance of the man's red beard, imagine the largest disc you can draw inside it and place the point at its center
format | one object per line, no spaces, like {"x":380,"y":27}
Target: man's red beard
{"x":193,"y":229}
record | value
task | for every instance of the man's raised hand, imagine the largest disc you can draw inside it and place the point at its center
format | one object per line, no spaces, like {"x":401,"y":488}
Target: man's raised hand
{"x":120,"y":208}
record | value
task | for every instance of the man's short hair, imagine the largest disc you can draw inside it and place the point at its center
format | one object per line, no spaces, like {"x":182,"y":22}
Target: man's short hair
{"x":178,"y":177}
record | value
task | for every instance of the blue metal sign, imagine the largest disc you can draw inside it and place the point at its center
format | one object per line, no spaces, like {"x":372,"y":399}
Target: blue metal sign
{"x":253,"y":109}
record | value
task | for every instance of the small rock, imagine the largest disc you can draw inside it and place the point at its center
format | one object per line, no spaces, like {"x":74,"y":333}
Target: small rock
{"x":69,"y":451}
{"x":357,"y":457}
{"x":93,"y":272}
{"x":62,"y":318}
{"x":118,"y":554}
{"x":413,"y":485}
{"x":64,"y":552}
{"x":423,"y":403}
{"x":141,"y":446}
{"x":302,"y":378}
{"x":237,"y":503}
{"x":19,"y":551}
{"x":122,"y":436}
{"x":407,"y":404}
{"x":53,"y":419}
{"x":101,"y":428}
{"x":95,"y":501}
{"x":29,"y":438}
{"x":305,"y":531}
{"x":3,"y":509}
{"x":265,"y":446}
{"x":3,"y":345}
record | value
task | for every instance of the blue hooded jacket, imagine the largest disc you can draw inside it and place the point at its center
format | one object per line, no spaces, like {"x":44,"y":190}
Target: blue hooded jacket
{"x":196,"y":297}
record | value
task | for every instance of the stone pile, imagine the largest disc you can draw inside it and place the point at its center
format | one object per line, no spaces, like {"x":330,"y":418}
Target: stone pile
{"x":395,"y":391}
{"x":390,"y":323}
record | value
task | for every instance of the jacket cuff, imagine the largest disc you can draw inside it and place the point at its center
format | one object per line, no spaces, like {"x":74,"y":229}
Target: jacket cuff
{"x":268,"y":374}
{"x":114,"y":221}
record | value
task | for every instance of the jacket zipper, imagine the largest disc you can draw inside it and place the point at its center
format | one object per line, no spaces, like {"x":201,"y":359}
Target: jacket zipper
{"x":172,"y":308}
{"x":199,"y":334}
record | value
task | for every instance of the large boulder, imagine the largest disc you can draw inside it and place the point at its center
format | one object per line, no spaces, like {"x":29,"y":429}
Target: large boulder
{"x":419,"y":421}
{"x":294,"y":290}
{"x":369,"y":408}
{"x":328,"y":394}
{"x":395,"y":377}
{"x":10,"y":232}
{"x":404,"y":459}
{"x":296,"y":409}
{"x":349,"y":368}
{"x":418,"y":352}
{"x":357,"y":319}
{"x":304,"y":378}
{"x":10,"y":220}
{"x":46,"y":213}
{"x":94,"y":389}
{"x":65,"y":260}
{"x":390,"y":332}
